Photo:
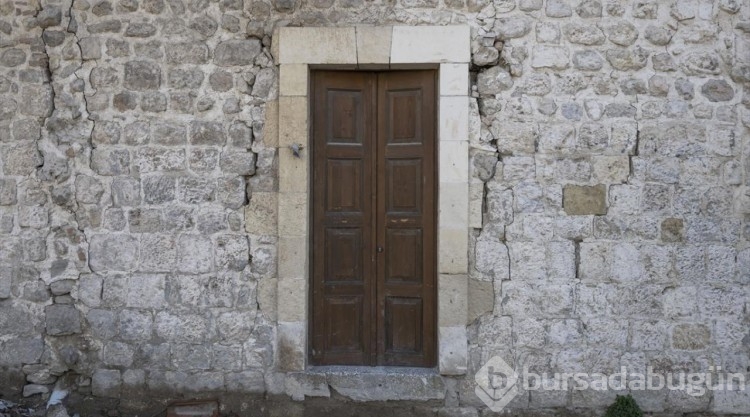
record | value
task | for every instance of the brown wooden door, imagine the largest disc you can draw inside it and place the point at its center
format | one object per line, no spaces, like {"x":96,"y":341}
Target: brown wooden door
{"x":373,"y":211}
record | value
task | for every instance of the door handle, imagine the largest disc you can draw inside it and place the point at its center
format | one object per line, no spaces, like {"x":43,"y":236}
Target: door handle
{"x":380,"y":249}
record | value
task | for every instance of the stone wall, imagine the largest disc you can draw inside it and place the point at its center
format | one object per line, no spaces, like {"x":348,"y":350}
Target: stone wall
{"x":138,"y":179}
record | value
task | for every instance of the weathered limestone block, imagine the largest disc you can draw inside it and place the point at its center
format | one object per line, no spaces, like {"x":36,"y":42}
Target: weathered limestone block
{"x":113,"y":252}
{"x":583,"y":34}
{"x":494,"y":81}
{"x":717,"y":90}
{"x":49,"y":16}
{"x":582,"y":199}
{"x":512,"y":27}
{"x":141,"y":76}
{"x":62,"y":319}
{"x":236,"y":52}
{"x":621,"y":33}
{"x":110,"y":161}
{"x":7,"y":192}
{"x":691,"y":336}
{"x":106,"y":383}
{"x":195,"y":254}
{"x":555,"y":57}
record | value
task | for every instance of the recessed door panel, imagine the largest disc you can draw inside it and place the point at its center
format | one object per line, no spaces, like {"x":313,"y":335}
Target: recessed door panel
{"x":403,"y":260}
{"x":343,"y":253}
{"x":344,"y":324}
{"x":404,"y":111}
{"x":403,"y":319}
{"x":404,"y":181}
{"x":345,"y":124}
{"x":344,"y":186}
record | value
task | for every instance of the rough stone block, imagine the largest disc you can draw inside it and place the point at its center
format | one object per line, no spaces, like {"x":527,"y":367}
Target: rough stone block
{"x":207,"y":133}
{"x":195,"y":254}
{"x":231,"y":192}
{"x":240,"y":163}
{"x":20,"y":159}
{"x":113,"y":252}
{"x":109,"y":161}
{"x":7,"y":192}
{"x":236,"y":52}
{"x":117,"y":354}
{"x":555,"y":57}
{"x":146,"y":291}
{"x":188,"y":53}
{"x":196,"y":189}
{"x":583,"y":200}
{"x":169,"y":133}
{"x":159,"y":189}
{"x":6,"y":279}
{"x":188,"y":328}
{"x":62,"y":319}
{"x":89,"y":190}
{"x":106,"y":383}
{"x":142,"y":76}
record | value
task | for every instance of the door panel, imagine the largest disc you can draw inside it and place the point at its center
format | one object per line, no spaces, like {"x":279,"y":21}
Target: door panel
{"x":343,"y":240}
{"x":403,"y":259}
{"x":406,"y":207}
{"x":345,"y":182}
{"x":373,"y":212}
{"x":403,"y":317}
{"x":344,"y":254}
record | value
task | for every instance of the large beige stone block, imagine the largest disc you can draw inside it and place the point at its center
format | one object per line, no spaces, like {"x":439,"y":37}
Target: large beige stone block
{"x":293,"y":256}
{"x":315,"y":45}
{"x":373,"y":46}
{"x":452,"y":300}
{"x":453,"y":205}
{"x":452,"y":350}
{"x":454,"y":161}
{"x":293,"y":171}
{"x":292,"y":296}
{"x":260,"y":213}
{"x":293,"y":80}
{"x":415,"y":44}
{"x":292,"y":345}
{"x":454,"y":118}
{"x":453,"y":250}
{"x":293,"y":214}
{"x":293,"y":119}
{"x":584,"y":199}
{"x":454,"y":79}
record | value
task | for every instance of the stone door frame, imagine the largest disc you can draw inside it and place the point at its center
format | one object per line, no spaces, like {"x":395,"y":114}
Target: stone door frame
{"x":446,"y":48}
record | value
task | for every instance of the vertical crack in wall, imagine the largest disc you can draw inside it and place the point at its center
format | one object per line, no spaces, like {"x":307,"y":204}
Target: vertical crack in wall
{"x":577,"y":244}
{"x":58,"y":144}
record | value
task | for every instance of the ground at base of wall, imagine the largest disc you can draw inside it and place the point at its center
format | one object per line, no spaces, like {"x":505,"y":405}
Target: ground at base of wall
{"x":281,"y":406}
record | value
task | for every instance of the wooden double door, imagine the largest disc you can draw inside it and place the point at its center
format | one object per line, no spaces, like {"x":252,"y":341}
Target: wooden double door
{"x":374,"y":218}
